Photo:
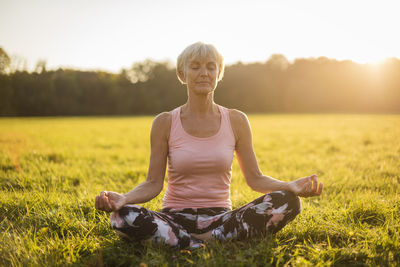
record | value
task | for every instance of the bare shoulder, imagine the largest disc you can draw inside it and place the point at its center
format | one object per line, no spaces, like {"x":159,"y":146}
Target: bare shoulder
{"x":239,"y":121}
{"x":163,"y":118}
{"x":237,"y":117}
{"x":162,"y":124}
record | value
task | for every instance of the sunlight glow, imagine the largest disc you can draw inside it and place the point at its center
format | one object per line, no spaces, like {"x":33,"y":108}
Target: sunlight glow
{"x":109,"y":36}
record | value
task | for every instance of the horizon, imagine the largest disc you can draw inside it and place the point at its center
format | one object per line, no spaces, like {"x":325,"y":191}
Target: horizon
{"x":172,"y":64}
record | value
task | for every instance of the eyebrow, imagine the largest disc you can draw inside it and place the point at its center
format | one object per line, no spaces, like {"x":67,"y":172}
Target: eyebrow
{"x":197,"y":62}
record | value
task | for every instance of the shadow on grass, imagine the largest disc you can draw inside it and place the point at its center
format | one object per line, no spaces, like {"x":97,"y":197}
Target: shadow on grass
{"x":118,"y":252}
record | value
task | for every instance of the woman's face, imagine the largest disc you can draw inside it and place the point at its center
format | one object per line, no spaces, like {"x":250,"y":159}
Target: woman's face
{"x":201,"y":75}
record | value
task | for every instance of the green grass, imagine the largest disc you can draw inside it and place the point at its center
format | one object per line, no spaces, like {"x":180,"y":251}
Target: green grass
{"x":52,"y":168}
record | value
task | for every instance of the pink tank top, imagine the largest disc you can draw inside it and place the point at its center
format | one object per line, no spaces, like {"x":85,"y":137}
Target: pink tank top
{"x":199,"y":169}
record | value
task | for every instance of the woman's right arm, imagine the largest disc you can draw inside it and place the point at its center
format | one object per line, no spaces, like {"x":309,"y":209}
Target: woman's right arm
{"x":149,"y":189}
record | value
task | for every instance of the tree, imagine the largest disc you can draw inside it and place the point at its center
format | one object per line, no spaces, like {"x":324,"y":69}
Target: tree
{"x":18,"y":63}
{"x":278,"y":61}
{"x":4,"y":61}
{"x":41,"y":66}
{"x":141,"y":71}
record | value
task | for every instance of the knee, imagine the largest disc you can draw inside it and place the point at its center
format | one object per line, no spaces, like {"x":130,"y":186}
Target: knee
{"x":293,"y":202}
{"x":127,"y":215}
{"x":133,"y":221}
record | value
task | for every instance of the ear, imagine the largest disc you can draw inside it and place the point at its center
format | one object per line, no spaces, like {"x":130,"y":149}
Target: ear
{"x":182,"y":76}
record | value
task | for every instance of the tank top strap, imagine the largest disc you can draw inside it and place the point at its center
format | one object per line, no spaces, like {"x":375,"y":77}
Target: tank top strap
{"x":175,"y":125}
{"x":224,"y":114}
{"x":226,"y":125}
{"x":175,"y":117}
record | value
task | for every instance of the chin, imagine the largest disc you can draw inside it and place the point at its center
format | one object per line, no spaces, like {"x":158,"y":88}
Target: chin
{"x":203,"y":91}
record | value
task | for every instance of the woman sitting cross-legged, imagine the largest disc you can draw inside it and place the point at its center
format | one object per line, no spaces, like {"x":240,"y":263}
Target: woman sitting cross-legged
{"x":198,"y":140}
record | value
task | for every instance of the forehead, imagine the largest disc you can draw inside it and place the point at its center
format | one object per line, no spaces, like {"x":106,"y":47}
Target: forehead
{"x":202,"y":59}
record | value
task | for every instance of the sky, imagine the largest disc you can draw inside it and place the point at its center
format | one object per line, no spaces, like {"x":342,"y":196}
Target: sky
{"x":110,"y":35}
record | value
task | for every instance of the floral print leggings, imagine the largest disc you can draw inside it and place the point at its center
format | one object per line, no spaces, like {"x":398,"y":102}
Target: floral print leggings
{"x":266,"y":214}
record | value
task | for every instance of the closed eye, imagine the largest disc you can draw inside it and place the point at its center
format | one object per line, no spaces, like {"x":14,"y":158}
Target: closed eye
{"x":211,"y":66}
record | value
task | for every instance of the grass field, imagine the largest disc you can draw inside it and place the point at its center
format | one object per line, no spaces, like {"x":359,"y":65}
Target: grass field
{"x":52,"y":168}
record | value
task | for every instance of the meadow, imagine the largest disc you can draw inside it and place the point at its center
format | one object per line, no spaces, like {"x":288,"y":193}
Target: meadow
{"x":52,"y":168}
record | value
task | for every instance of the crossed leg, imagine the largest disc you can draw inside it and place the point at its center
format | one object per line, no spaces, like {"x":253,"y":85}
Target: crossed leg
{"x":266,"y":214}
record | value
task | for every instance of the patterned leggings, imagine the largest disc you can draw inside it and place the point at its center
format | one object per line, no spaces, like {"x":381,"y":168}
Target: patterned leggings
{"x":266,"y":214}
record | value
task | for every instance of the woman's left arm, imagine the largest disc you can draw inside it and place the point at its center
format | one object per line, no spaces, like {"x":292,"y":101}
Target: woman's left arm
{"x":304,"y":187}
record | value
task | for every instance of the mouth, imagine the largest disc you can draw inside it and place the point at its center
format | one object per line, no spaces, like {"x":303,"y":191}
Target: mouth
{"x":203,"y":83}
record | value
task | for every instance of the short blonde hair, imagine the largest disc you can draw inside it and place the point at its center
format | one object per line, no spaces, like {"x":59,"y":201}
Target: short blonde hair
{"x":199,"y":50}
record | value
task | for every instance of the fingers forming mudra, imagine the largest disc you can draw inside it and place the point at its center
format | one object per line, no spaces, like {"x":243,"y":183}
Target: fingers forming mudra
{"x":308,"y":186}
{"x":102,"y":202}
{"x":109,"y":201}
{"x":316,"y":188}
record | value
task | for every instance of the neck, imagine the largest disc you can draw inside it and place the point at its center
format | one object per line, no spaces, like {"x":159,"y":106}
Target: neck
{"x":200,"y":104}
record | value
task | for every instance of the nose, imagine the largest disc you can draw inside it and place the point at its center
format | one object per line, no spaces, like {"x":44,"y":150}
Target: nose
{"x":203,"y":72}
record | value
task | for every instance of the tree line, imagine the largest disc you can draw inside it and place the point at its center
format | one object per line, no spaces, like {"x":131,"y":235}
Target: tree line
{"x":149,"y":87}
